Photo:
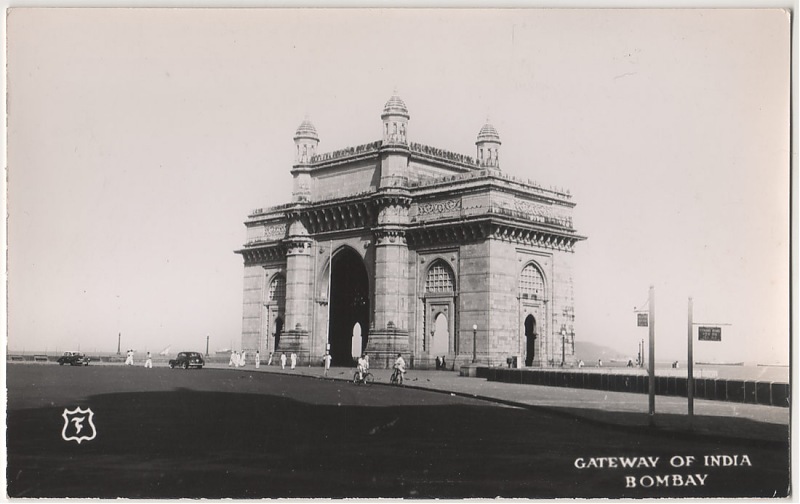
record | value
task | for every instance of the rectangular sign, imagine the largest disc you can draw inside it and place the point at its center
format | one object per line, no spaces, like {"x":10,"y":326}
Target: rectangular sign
{"x":709,"y":334}
{"x":641,"y":320}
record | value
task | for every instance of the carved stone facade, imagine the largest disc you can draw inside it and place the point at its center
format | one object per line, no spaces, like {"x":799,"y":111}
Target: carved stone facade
{"x":396,"y":247}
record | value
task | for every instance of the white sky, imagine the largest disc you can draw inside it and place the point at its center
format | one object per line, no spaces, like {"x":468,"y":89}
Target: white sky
{"x":139,"y":140}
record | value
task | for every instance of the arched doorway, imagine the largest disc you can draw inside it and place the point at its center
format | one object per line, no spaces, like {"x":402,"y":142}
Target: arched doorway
{"x":277,"y":331}
{"x":441,"y":336}
{"x":530,"y":339}
{"x":356,"y":342}
{"x":349,"y":305}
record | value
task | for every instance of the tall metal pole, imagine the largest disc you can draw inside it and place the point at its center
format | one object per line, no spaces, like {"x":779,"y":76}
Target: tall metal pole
{"x":330,"y":270}
{"x":474,"y":343}
{"x":651,"y":369}
{"x":207,"y":336}
{"x":119,"y":342}
{"x":690,"y":366}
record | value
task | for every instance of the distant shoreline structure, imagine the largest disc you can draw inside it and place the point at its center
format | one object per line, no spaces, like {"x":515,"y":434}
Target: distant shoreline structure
{"x":724,"y":364}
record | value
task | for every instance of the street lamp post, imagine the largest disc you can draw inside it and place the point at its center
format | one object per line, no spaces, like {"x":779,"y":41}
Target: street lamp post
{"x":207,"y":337}
{"x":563,"y":343}
{"x":474,"y":342}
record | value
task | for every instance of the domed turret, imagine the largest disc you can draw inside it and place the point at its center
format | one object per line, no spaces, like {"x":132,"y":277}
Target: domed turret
{"x":395,"y":106}
{"x":395,"y":121}
{"x":306,"y":140}
{"x":488,"y":144}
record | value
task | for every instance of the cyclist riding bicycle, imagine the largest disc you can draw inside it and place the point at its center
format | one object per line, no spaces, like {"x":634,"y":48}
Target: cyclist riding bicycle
{"x":400,"y":368}
{"x":362,"y":367}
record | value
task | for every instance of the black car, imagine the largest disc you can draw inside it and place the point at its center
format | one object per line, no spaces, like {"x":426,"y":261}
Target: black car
{"x":186,"y":360}
{"x":73,"y":359}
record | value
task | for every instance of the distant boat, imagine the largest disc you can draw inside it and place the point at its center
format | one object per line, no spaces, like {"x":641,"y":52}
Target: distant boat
{"x":720,"y":363}
{"x":165,"y":351}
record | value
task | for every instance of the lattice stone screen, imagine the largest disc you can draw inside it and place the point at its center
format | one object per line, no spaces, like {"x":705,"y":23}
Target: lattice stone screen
{"x":439,"y":279}
{"x":277,"y":289}
{"x":531,"y":283}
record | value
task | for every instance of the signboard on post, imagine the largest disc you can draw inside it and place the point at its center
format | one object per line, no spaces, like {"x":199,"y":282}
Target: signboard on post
{"x":641,"y":320}
{"x":709,"y":333}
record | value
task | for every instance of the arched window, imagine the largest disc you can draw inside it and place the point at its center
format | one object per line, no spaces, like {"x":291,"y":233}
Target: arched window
{"x":531,"y":283}
{"x":277,"y":289}
{"x":439,"y":279}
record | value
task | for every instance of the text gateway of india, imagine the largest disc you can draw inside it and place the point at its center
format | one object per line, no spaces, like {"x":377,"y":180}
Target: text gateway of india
{"x":397,"y":247}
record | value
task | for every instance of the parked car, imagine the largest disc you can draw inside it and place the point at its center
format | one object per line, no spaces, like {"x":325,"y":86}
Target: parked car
{"x":186,"y":360}
{"x":73,"y":359}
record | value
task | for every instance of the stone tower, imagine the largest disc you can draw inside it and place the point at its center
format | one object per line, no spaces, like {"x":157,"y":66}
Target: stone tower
{"x":488,"y":144}
{"x":305,"y":141}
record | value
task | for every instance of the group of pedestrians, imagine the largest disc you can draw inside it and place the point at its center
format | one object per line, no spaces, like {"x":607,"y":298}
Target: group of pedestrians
{"x":238,"y":359}
{"x":292,"y":360}
{"x":362,"y":366}
{"x":148,"y":361}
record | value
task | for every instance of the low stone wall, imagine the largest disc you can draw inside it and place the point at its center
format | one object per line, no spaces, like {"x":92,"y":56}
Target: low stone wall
{"x":714,"y":389}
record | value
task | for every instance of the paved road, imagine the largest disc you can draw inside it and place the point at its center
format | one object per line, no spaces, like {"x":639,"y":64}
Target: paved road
{"x":239,"y":433}
{"x":749,"y":421}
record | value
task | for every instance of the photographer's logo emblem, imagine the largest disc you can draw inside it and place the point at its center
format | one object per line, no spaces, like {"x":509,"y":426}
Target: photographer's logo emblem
{"x":78,"y":425}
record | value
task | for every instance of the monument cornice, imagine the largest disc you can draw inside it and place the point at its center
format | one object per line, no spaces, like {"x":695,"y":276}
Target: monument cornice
{"x":452,"y":231}
{"x":263,"y":253}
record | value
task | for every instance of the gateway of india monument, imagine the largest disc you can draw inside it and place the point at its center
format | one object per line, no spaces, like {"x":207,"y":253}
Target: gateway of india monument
{"x":398,"y":247}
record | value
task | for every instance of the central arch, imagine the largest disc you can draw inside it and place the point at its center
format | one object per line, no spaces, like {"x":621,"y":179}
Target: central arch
{"x":349,"y":305}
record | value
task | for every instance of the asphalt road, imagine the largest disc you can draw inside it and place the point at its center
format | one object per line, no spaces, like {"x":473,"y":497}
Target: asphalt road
{"x":220,"y":433}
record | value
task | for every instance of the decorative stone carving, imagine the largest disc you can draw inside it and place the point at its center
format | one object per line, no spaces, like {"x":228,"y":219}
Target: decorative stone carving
{"x":544,"y":213}
{"x":439,"y":207}
{"x":386,"y":236}
{"x":275,"y":231}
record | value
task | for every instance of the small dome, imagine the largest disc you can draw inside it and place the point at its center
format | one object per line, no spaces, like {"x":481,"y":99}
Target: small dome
{"x":306,"y":130}
{"x":488,"y":134}
{"x":395,"y":106}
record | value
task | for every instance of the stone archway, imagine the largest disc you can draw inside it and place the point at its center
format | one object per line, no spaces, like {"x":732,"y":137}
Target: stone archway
{"x":440,"y":340}
{"x":349,"y":305}
{"x":530,"y":340}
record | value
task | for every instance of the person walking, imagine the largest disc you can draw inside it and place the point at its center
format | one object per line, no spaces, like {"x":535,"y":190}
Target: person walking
{"x":326,"y":360}
{"x":283,"y":361}
{"x":294,"y":359}
{"x":269,"y":362}
{"x":129,"y":358}
{"x":258,"y":359}
{"x":232,"y":362}
{"x":148,"y":363}
{"x":243,"y":359}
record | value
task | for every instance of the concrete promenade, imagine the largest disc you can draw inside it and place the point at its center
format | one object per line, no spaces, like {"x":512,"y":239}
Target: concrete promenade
{"x":744,"y":421}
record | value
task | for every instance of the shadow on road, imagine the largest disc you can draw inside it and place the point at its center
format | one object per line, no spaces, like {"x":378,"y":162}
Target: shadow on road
{"x":217,"y":444}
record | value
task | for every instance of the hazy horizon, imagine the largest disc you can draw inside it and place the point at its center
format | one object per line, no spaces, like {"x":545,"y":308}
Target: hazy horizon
{"x":139,"y":141}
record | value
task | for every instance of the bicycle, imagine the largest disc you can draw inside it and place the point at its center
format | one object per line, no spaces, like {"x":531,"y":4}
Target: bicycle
{"x":397,"y":378}
{"x":367,"y":379}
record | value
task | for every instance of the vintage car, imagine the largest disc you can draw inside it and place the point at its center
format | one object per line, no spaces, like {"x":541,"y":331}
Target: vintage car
{"x":73,"y":359}
{"x":186,"y":360}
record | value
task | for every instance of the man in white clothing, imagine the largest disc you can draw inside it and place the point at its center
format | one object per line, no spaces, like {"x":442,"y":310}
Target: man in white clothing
{"x":362,"y":366}
{"x":326,"y":360}
{"x":400,"y":366}
{"x":149,"y":362}
{"x":294,"y":360}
